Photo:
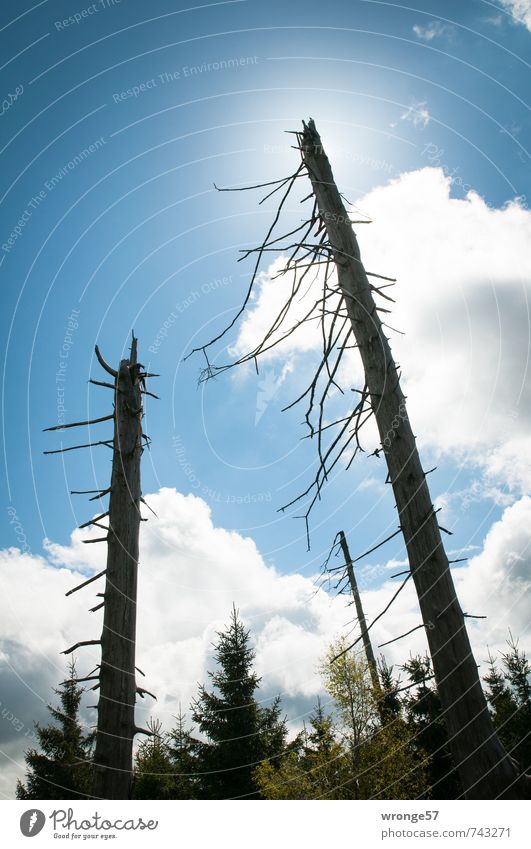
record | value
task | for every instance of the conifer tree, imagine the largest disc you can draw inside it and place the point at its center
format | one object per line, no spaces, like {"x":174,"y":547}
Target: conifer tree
{"x":316,"y":765}
{"x":509,"y":698}
{"x":183,"y":751}
{"x":426,"y":722}
{"x":153,"y":770}
{"x":63,"y":768}
{"x":239,"y":733}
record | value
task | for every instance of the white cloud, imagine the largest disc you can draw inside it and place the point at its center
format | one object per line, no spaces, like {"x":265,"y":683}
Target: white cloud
{"x":417,"y":114}
{"x":435,"y":29}
{"x":463,"y":303}
{"x":191,"y":573}
{"x":520,"y":11}
{"x":189,"y":576}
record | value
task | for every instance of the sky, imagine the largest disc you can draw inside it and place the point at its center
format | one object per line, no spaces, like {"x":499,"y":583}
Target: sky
{"x":117,"y":120}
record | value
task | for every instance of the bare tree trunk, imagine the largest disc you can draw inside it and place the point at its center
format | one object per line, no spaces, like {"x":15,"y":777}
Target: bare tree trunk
{"x":371,"y":660}
{"x":485,"y":768}
{"x":116,"y":709}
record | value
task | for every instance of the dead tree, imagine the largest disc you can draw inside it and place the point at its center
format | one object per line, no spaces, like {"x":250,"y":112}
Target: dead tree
{"x":113,"y":757}
{"x":365,"y":636}
{"x":345,"y":309}
{"x":346,"y":584}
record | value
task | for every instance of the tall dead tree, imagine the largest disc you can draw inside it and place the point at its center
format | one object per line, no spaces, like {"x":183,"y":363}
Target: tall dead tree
{"x":116,"y":674}
{"x":326,"y":246}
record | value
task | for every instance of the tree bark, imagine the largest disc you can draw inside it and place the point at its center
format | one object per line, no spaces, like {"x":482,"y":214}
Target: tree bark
{"x":485,"y":768}
{"x":116,"y":708}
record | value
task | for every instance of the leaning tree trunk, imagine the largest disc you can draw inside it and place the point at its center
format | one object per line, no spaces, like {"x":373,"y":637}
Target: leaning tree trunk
{"x":485,"y":768}
{"x":367,"y":645}
{"x":116,"y":708}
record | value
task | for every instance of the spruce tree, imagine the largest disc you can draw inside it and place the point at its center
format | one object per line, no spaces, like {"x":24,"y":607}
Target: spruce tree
{"x":239,"y":733}
{"x":63,"y":768}
{"x":183,"y":751}
{"x":426,"y":722}
{"x":509,"y":698}
{"x":153,"y":771}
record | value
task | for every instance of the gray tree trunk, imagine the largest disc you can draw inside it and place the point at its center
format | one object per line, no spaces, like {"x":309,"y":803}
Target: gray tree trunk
{"x":485,"y":768}
{"x":116,"y":708}
{"x":367,"y":645}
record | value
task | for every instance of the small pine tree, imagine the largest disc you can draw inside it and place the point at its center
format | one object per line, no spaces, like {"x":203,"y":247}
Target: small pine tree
{"x":239,"y":733}
{"x":63,"y":769}
{"x":183,"y":751}
{"x":390,"y":705}
{"x":153,"y":772}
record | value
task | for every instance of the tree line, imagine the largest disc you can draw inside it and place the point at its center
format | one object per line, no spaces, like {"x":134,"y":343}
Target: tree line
{"x":359,"y":742}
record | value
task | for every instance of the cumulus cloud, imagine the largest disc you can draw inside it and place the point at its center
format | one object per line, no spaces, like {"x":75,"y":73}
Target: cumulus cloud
{"x":463,"y":303}
{"x":520,"y":11}
{"x":191,"y":572}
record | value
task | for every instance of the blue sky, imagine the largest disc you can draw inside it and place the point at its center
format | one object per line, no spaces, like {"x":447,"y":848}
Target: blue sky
{"x":133,"y":234}
{"x":137,"y":228}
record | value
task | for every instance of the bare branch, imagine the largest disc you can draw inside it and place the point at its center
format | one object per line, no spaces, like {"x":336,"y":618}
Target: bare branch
{"x":79,"y":424}
{"x":82,"y":643}
{"x":105,"y":365}
{"x":101,"y":493}
{"x":141,"y":692}
{"x":107,"y":442}
{"x":94,"y":521}
{"x":102,"y":383}
{"x":87,"y":582}
{"x":407,"y":633}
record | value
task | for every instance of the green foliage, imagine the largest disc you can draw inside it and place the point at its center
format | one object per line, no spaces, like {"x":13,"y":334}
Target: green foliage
{"x":428,"y":730}
{"x":62,"y":769}
{"x":317,"y":766}
{"x":365,"y":753}
{"x":509,"y":697}
{"x":239,"y":732}
{"x":153,"y":770}
{"x":183,"y":750}
{"x":384,"y":762}
{"x":389,"y":703}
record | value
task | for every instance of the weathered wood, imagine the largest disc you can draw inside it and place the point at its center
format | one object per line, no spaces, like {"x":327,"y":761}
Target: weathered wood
{"x":116,"y":706}
{"x":485,"y":768}
{"x":367,"y":645}
{"x":86,"y":583}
